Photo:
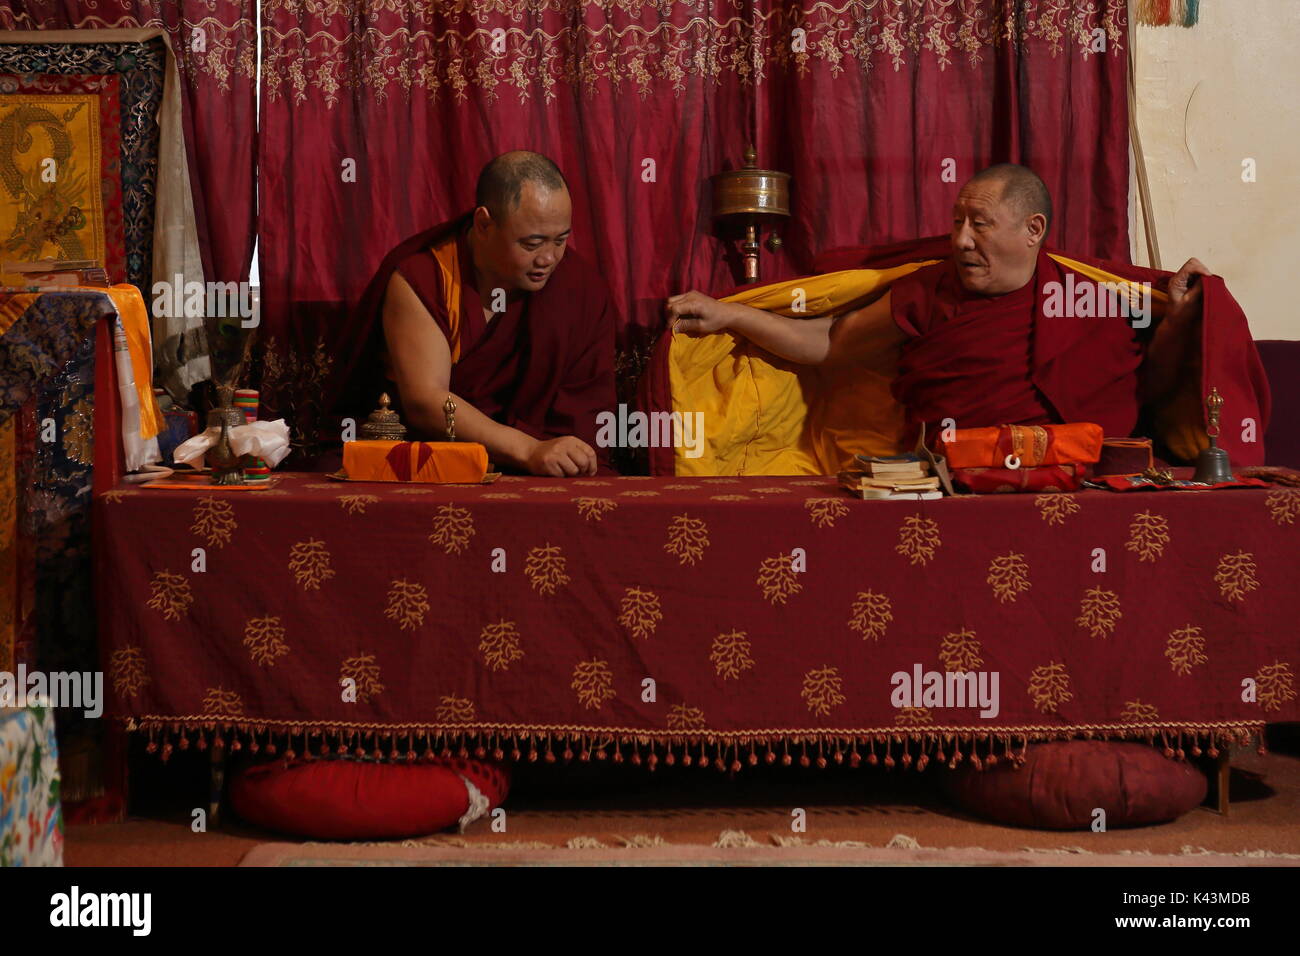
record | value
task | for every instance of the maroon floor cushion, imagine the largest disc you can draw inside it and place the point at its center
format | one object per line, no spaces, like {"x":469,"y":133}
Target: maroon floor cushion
{"x":364,"y":800}
{"x":1061,"y":783}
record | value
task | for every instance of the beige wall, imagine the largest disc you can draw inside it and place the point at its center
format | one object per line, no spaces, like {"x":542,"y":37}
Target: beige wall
{"x":1207,"y":98}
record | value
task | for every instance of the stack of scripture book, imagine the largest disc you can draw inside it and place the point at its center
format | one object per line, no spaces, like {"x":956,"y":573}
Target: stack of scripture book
{"x":902,"y":476}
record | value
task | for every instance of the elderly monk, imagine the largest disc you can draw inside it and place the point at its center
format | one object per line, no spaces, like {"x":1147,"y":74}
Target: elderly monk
{"x":496,"y":312}
{"x":969,"y":337}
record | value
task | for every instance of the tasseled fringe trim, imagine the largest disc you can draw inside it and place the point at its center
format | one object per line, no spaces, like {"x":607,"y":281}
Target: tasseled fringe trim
{"x":722,"y":752}
{"x":1167,"y":13}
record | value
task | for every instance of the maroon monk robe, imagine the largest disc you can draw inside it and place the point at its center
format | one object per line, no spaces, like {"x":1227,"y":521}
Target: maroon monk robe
{"x":545,"y":366}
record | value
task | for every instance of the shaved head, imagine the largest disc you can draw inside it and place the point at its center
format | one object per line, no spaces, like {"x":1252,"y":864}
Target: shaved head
{"x":1021,"y":189}
{"x":501,"y":183}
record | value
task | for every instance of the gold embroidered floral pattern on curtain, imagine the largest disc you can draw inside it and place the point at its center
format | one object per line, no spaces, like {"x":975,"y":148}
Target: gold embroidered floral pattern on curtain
{"x":527,"y":48}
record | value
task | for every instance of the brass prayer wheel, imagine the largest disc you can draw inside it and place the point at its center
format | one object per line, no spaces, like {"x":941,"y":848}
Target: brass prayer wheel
{"x":752,"y":197}
{"x":383,"y":423}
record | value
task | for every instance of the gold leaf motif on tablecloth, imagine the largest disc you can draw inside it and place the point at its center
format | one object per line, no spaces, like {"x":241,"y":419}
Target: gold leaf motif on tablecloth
{"x":593,"y":683}
{"x":814,"y":483}
{"x":310,"y":563}
{"x":823,"y":511}
{"x":502,"y":494}
{"x":127,"y":671}
{"x":415,"y":491}
{"x":214,"y":521}
{"x":594,"y":509}
{"x":730,"y":498}
{"x":640,"y":612}
{"x":959,"y":651}
{"x":408,"y":602}
{"x":644,"y":493}
{"x":1236,"y":575}
{"x":513,"y":478}
{"x":1185,"y":649}
{"x":363,"y":671}
{"x":79,"y":433}
{"x":1147,"y":536}
{"x":1283,"y":505}
{"x":452,"y":528}
{"x":1055,"y":508}
{"x":113,"y":497}
{"x":681,"y":487}
{"x":589,"y":482}
{"x":872,"y":613}
{"x":356,"y":504}
{"x":687,"y":539}
{"x":264,"y":638}
{"x":1275,"y":685}
{"x":1008,"y":576}
{"x":455,"y":710}
{"x":770,"y":491}
{"x":219,"y":702}
{"x":1049,"y":687}
{"x":777,"y":578}
{"x":918,"y":539}
{"x":499,"y":645}
{"x":681,"y":717}
{"x":319,"y":485}
{"x":171,"y":594}
{"x":545,"y":569}
{"x":547,"y":489}
{"x":1098,"y":612}
{"x":913,"y":717}
{"x":730,"y":654}
{"x":821,"y":690}
{"x":1136,"y":712}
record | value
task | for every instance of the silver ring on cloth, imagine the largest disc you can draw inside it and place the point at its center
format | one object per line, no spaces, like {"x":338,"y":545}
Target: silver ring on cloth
{"x":1012,"y":462}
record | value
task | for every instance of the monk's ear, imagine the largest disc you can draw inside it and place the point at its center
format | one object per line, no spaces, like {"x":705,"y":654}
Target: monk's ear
{"x":1036,"y":228}
{"x":482,"y":219}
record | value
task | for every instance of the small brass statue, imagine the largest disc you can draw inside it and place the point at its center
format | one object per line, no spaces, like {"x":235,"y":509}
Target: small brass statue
{"x":227,"y":467}
{"x":1212,"y":464}
{"x":449,"y":410}
{"x":383,"y":423}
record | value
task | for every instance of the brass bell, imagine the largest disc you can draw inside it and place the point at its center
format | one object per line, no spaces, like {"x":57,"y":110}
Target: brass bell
{"x":1212,"y":464}
{"x":383,"y":423}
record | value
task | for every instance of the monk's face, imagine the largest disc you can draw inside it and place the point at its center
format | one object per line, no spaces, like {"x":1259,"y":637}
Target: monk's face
{"x":994,"y":246}
{"x":523,"y":249}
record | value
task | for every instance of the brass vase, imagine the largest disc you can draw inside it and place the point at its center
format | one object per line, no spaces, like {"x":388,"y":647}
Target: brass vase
{"x":226,"y":465}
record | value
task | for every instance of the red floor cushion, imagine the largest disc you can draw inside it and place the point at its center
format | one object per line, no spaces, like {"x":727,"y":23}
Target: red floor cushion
{"x":363,"y":800}
{"x":1062,"y":782}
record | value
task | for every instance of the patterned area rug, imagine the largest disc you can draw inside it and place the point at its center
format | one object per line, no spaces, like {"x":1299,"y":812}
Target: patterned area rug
{"x":732,"y":848}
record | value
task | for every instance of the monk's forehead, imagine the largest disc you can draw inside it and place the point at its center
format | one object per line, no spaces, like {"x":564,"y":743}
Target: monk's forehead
{"x":984,"y":193}
{"x":541,"y":212}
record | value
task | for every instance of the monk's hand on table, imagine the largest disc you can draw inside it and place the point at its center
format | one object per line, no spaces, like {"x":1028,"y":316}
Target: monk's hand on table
{"x":564,"y":457}
{"x":697,"y":313}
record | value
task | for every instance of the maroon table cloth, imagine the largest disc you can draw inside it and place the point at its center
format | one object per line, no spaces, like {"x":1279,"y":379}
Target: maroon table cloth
{"x":715,"y":620}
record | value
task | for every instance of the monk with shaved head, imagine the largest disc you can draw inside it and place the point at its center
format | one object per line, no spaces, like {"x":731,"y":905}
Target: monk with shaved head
{"x":973,"y":338}
{"x":495,"y":311}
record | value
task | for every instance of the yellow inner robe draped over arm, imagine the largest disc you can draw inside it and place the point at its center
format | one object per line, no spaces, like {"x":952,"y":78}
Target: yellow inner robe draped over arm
{"x":766,"y":416}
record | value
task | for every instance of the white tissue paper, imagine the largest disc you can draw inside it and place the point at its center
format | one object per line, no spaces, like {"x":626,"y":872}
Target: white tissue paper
{"x":268,"y":441}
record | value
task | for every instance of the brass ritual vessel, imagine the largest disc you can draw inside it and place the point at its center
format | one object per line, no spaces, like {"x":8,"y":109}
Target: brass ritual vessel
{"x":753,"y":199}
{"x":383,"y":424}
{"x":227,"y":467}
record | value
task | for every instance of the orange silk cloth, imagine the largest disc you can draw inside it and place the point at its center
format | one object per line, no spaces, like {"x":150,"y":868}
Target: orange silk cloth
{"x":439,"y":462}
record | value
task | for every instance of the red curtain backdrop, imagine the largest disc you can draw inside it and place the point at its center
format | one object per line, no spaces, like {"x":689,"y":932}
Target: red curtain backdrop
{"x":863,"y":102}
{"x":218,"y":78}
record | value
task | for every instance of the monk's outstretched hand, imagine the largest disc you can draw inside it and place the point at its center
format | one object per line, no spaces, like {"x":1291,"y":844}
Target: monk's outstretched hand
{"x":696,"y":312}
{"x":563,"y":457}
{"x":1185,"y":288}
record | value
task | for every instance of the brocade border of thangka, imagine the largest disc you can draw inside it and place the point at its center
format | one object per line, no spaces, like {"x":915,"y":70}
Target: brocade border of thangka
{"x":139,"y":67}
{"x":408,"y":47}
{"x":905,"y":746}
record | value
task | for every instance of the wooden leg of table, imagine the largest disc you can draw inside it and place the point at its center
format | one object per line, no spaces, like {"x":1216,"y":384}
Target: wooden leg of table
{"x":1222,"y":772}
{"x":217,"y":783}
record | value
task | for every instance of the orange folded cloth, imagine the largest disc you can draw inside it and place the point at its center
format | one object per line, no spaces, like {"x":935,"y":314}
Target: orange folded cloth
{"x":430,"y":462}
{"x":1076,"y":443}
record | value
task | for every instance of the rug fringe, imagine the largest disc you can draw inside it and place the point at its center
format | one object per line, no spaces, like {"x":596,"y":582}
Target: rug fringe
{"x":725,"y":752}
